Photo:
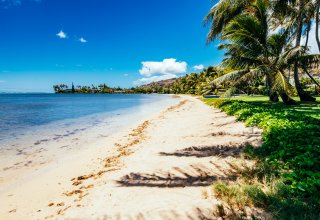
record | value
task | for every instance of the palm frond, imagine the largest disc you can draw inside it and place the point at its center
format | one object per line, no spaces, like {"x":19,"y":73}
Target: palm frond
{"x":221,"y":14}
{"x":230,"y":76}
{"x":281,"y":84}
{"x":310,"y":60}
{"x":231,"y":91}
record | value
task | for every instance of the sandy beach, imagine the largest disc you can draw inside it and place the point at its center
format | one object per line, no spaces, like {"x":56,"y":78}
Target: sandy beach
{"x":160,"y":168}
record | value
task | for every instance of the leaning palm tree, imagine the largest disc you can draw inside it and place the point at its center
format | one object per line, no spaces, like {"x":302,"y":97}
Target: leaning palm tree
{"x":293,"y":15}
{"x":298,"y":14}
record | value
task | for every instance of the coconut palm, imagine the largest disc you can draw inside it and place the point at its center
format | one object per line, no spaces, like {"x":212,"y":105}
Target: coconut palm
{"x":221,"y":14}
{"x":317,"y":22}
{"x":298,"y":15}
{"x":293,"y":15}
{"x":253,"y":53}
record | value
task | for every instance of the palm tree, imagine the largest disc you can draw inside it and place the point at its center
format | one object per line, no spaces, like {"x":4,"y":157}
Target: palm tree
{"x":317,"y":22}
{"x":296,"y":12}
{"x":253,"y":53}
{"x":293,"y":15}
{"x":222,"y":13}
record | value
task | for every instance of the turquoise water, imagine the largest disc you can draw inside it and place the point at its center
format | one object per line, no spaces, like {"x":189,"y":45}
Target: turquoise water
{"x":20,"y":113}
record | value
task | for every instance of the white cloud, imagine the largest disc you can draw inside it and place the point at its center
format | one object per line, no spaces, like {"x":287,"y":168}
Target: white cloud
{"x":313,"y":46}
{"x":165,"y":67}
{"x":153,"y":71}
{"x":198,"y":67}
{"x":126,"y":75}
{"x":2,"y":81}
{"x":61,"y":35}
{"x":82,"y":40}
{"x":147,"y":80}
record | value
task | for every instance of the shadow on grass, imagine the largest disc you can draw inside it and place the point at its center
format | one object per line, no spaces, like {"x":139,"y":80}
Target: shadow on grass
{"x":208,"y":151}
{"x":193,"y":176}
{"x":287,"y":162}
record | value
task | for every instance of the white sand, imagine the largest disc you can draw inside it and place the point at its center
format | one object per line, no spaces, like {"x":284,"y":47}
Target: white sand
{"x":161,"y":169}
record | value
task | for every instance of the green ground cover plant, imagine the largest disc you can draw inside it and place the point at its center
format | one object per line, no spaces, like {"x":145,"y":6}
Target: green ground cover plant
{"x":288,"y":162}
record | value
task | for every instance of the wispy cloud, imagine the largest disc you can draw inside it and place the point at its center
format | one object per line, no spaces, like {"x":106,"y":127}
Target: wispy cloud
{"x":198,"y":67}
{"x":153,"y":71}
{"x":10,"y":3}
{"x":125,"y":75}
{"x":82,"y":40}
{"x":2,"y":81}
{"x":61,"y":35}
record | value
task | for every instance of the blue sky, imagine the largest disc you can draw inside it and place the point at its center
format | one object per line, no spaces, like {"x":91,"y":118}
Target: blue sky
{"x":118,"y":42}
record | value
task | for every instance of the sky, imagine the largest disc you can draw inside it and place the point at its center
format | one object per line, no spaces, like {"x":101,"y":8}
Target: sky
{"x":118,"y":42}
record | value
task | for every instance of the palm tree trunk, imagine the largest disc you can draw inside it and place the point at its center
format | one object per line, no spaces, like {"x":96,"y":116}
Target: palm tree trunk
{"x":317,"y":24}
{"x":307,"y":72}
{"x":286,"y":99}
{"x":304,"y":96}
{"x":273,"y":96}
{"x":308,"y":32}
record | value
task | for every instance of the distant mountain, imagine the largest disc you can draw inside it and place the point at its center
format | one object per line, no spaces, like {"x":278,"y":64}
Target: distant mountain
{"x":192,"y":83}
{"x":162,"y":83}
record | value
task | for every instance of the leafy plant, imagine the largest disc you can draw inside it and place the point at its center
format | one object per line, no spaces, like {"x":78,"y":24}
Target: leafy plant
{"x":290,"y":154}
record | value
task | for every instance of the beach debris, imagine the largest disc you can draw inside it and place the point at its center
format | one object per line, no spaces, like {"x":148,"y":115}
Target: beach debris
{"x":77,"y":182}
{"x":84,"y":177}
{"x":77,"y":191}
{"x":111,"y":163}
{"x":172,"y":108}
{"x":62,"y":211}
{"x":87,"y":187}
{"x":51,"y":204}
{"x":13,"y":211}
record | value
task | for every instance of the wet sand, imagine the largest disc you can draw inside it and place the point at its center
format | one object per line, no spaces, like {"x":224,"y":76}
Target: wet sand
{"x":161,"y":168}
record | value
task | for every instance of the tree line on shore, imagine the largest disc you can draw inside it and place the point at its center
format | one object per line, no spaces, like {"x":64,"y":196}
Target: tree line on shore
{"x":202,"y":83}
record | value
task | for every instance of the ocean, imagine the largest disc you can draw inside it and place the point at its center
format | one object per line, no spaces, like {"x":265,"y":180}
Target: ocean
{"x":28,"y":116}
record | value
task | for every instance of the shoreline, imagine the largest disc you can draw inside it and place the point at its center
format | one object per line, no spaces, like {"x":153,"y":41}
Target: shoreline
{"x":130,"y":170}
{"x":37,"y":148}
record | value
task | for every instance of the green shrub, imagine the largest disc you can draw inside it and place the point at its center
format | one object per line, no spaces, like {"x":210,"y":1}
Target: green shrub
{"x":290,"y":149}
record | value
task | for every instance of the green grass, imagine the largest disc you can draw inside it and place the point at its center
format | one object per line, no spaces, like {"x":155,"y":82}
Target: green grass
{"x":311,"y":109}
{"x":290,"y":155}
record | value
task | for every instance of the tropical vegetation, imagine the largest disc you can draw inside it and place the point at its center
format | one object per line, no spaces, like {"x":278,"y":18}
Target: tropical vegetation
{"x":286,"y":177}
{"x":101,"y":89}
{"x":193,"y":83}
{"x":262,"y":40}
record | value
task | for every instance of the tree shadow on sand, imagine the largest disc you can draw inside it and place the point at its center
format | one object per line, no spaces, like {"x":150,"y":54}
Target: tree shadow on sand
{"x":193,"y":176}
{"x":195,"y":213}
{"x":222,"y":151}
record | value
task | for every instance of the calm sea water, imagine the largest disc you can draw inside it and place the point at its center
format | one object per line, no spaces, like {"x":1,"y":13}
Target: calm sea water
{"x":23,"y":112}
